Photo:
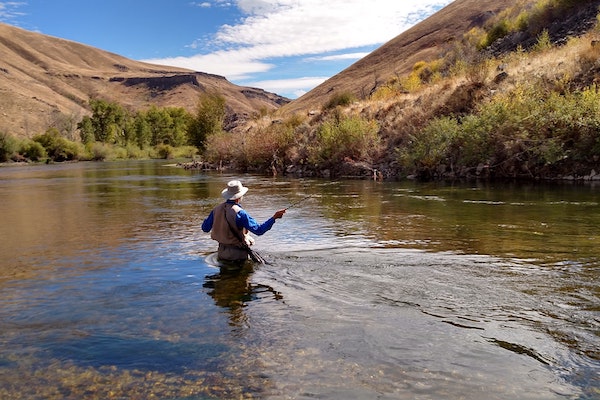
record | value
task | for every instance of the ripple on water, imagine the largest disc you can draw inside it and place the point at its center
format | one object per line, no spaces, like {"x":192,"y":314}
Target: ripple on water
{"x":404,"y":322}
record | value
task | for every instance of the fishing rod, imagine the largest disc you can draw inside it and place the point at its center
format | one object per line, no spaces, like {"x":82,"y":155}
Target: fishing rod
{"x":294,"y":204}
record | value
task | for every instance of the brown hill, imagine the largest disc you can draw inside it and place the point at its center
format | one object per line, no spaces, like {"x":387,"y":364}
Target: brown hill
{"x":423,"y":42}
{"x":48,"y":82}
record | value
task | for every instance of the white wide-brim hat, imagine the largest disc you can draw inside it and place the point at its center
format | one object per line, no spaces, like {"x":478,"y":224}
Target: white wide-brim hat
{"x":234,"y":190}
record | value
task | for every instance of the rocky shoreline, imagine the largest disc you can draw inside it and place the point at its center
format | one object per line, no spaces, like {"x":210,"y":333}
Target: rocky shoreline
{"x":358,"y":170}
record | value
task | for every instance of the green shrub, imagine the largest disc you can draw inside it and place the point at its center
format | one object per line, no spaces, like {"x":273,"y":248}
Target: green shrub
{"x":32,"y":150}
{"x":185,"y":152}
{"x":411,"y":83}
{"x":528,"y":130}
{"x":101,"y":151}
{"x":133,"y":151}
{"x":498,"y":31}
{"x":351,"y":137}
{"x":543,"y":41}
{"x":165,"y":151}
{"x":120,"y":153}
{"x":340,"y":99}
{"x":8,"y":146}
{"x":58,"y":147}
{"x":209,"y":118}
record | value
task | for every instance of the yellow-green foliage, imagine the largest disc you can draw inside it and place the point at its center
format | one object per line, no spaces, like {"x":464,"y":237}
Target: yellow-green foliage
{"x":59,"y":148}
{"x":101,"y":151}
{"x":543,"y":41}
{"x":411,"y":83}
{"x":8,"y":146}
{"x":500,"y":29}
{"x":348,"y":137}
{"x":384,"y":92}
{"x":339,"y":99}
{"x":32,"y":150}
{"x":528,"y":130}
{"x":419,"y":65}
{"x":521,"y":17}
{"x":475,"y":37}
{"x":522,"y":21}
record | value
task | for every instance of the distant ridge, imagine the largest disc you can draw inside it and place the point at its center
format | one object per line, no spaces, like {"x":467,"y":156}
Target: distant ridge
{"x":48,"y":82}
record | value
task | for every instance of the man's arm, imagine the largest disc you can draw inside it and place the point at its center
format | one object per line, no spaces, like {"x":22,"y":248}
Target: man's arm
{"x":245,"y":220}
{"x":208,"y":222}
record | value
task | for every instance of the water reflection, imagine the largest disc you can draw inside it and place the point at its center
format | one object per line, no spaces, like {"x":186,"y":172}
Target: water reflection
{"x":232,"y":289}
{"x":392,"y":290}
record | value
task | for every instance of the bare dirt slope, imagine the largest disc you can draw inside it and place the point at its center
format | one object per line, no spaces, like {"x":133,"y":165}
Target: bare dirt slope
{"x":48,"y":82}
{"x":423,"y":42}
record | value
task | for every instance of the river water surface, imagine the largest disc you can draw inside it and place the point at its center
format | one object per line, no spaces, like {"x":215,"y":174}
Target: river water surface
{"x":373,"y":290}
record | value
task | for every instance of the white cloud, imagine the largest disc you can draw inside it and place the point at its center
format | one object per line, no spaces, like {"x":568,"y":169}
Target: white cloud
{"x":8,"y":10}
{"x":336,"y":57}
{"x":295,"y":86}
{"x":273,"y":29}
{"x":233,"y":65}
{"x":296,"y":27}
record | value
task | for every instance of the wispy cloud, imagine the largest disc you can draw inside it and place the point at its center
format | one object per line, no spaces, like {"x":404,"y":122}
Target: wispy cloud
{"x":336,"y":57}
{"x":275,"y":29}
{"x":236,"y":65}
{"x":9,"y":10}
{"x":296,"y":86}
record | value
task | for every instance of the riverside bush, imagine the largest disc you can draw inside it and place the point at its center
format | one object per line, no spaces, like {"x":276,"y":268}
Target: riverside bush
{"x":165,"y":151}
{"x":221,"y":147}
{"x":101,"y":151}
{"x":8,"y":146}
{"x":527,"y":131}
{"x":349,"y":137}
{"x":60,"y":148}
{"x":261,"y":148}
{"x":267,"y":146}
{"x":32,"y":150}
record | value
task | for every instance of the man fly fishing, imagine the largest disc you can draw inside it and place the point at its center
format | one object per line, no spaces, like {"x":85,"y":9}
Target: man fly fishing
{"x":229,"y":225}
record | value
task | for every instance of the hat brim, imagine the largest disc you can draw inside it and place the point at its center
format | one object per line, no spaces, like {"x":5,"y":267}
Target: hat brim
{"x":226,"y":196}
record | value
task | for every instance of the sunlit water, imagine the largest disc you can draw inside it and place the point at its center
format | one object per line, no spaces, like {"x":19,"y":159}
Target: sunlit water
{"x":372,"y":290}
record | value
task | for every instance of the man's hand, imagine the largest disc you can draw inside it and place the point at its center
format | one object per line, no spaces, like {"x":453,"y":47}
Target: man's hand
{"x":279,"y":213}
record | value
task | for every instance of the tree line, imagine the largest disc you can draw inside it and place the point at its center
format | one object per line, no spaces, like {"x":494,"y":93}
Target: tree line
{"x":112,"y":131}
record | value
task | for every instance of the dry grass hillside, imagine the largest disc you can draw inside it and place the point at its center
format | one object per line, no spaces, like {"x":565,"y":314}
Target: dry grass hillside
{"x":48,"y":82}
{"x":423,"y":42}
{"x":513,"y":94}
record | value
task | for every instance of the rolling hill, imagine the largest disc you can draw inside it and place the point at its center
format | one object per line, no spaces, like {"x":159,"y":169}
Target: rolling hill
{"x":48,"y":82}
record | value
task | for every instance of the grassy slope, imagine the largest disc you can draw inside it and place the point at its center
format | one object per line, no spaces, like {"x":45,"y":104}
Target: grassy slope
{"x":402,"y":116}
{"x":46,"y":82}
{"x":423,"y":42}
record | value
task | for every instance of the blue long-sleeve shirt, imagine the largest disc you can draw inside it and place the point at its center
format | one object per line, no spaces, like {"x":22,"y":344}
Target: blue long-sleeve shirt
{"x":242,"y":219}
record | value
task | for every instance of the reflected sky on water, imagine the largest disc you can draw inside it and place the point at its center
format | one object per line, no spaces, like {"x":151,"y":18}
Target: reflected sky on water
{"x":373,"y":289}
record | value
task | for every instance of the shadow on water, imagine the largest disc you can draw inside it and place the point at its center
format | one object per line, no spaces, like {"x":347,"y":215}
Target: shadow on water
{"x":232,"y":288}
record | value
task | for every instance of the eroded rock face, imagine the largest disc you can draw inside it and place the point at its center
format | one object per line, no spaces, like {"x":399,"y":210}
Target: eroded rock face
{"x":160,"y":83}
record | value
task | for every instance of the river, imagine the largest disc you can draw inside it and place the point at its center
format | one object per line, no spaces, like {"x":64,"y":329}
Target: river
{"x":372,"y":290}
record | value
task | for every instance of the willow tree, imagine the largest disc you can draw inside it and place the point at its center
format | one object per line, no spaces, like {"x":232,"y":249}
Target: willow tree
{"x":107,"y":121}
{"x":209,"y":118}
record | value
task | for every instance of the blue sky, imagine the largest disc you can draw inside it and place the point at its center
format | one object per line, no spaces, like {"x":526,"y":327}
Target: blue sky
{"x":283,"y":46}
